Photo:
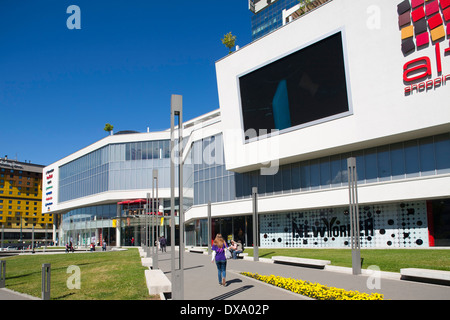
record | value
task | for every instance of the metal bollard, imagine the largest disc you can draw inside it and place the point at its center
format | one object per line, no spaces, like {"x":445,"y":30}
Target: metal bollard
{"x":45,"y":287}
{"x":2,"y":273}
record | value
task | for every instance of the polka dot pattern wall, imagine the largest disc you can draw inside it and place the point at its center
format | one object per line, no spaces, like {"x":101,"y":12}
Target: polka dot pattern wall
{"x":400,"y":225}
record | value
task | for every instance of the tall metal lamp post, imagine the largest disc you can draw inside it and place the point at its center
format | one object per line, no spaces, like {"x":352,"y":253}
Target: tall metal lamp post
{"x":354,"y":215}
{"x":155,"y":205}
{"x":176,"y":109}
{"x":255,"y":224}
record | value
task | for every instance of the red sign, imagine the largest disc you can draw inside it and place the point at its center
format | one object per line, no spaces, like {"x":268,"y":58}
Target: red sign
{"x":421,"y":22}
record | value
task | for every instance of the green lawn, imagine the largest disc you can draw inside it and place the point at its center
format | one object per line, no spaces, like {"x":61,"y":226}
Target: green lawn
{"x":113,"y":275}
{"x":386,"y":259}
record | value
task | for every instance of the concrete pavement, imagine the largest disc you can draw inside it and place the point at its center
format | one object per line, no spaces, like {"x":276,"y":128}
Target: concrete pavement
{"x":7,"y":294}
{"x":201,"y":282}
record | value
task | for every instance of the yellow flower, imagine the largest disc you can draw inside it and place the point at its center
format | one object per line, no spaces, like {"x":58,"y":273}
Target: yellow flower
{"x":314,"y":290}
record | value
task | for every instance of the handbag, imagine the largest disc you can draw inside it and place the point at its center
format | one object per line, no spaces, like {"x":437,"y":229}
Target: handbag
{"x":227,"y":253}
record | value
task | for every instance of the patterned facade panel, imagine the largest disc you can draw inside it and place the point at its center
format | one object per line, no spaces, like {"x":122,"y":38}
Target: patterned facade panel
{"x":400,"y":225}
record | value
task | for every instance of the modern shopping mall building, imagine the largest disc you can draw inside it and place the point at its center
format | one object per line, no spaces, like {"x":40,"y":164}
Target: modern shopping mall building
{"x":345,"y":79}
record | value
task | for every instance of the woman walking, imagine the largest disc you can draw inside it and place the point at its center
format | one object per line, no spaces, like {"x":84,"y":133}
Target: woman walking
{"x":218,"y":255}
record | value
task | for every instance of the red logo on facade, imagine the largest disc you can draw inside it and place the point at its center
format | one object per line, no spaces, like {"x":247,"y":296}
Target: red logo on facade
{"x":423,"y":24}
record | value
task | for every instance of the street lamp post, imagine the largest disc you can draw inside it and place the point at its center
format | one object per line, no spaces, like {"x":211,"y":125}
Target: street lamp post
{"x":176,"y":109}
{"x":354,"y":215}
{"x":255,"y":224}
{"x":155,"y":254}
{"x":209,"y":228}
{"x":147,"y":226}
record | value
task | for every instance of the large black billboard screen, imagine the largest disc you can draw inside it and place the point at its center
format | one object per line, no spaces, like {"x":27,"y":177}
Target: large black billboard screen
{"x":300,"y":89}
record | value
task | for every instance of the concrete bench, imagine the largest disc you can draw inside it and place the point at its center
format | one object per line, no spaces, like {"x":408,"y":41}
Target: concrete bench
{"x":147,"y":262}
{"x":315,"y":263}
{"x":426,"y":275}
{"x":197,"y":250}
{"x":157,"y":282}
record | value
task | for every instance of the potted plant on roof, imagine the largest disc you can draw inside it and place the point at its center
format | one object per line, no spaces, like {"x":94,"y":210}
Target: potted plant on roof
{"x":108,"y":128}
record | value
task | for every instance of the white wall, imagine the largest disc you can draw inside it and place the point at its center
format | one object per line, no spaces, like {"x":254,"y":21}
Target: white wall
{"x":382,"y":113}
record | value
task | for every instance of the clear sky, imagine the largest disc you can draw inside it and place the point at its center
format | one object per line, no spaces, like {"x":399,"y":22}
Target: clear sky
{"x":59,"y":87}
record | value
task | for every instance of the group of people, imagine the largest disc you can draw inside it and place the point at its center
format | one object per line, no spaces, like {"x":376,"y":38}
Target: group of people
{"x":69,"y":246}
{"x":219,"y":255}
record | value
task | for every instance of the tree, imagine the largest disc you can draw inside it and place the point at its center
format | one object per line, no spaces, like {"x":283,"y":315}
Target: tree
{"x":229,"y":41}
{"x":108,"y":128}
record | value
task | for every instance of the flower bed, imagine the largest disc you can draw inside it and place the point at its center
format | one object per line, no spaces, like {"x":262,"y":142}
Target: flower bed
{"x":313,"y":290}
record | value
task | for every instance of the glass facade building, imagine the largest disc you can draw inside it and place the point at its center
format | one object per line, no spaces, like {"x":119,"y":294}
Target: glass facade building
{"x":128,"y":166}
{"x":270,"y":18}
{"x":115,"y":167}
{"x":403,"y":160}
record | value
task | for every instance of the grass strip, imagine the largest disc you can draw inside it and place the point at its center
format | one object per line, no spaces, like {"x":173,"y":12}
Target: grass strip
{"x":390,"y":260}
{"x":112,"y":275}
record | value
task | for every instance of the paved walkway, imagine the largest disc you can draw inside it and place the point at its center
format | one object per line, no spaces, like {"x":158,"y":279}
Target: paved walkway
{"x":7,"y":294}
{"x":201,"y":282}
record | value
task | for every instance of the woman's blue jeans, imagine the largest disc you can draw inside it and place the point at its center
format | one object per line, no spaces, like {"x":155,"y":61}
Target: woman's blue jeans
{"x":221,"y":269}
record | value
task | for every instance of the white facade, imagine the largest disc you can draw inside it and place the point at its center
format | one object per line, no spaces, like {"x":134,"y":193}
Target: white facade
{"x":384,"y":108}
{"x":382,"y":111}
{"x":374,"y":69}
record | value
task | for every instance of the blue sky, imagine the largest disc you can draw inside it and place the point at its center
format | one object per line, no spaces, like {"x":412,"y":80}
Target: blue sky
{"x":59,"y":87}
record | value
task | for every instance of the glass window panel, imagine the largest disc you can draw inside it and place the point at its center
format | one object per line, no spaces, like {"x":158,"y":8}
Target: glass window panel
{"x":370,"y":164}
{"x":261,"y":184}
{"x":201,"y":192}
{"x":213,"y":194}
{"x":442,"y":151}
{"x":166,"y":146}
{"x":207,"y":191}
{"x":315,"y":174}
{"x":226,"y":188}
{"x":411,"y":159}
{"x":286,"y":176}
{"x":360,"y":167}
{"x":144,"y":150}
{"x":278,"y":182}
{"x":426,"y":153}
{"x":397,"y":160}
{"x":232,"y":187}
{"x":295,"y":176}
{"x":246,"y":184}
{"x":305,"y":176}
{"x":196,"y":194}
{"x":219,"y":189}
{"x":128,"y":151}
{"x":325,"y":173}
{"x":383,"y":163}
{"x":238,"y":180}
{"x":269,"y":185}
{"x":336,"y":173}
{"x":254,"y":176}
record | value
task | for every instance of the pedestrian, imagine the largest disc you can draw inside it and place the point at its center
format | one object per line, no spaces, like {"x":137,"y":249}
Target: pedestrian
{"x":218,"y":255}
{"x":239,"y":249}
{"x":104,"y":245}
{"x":162,"y":243}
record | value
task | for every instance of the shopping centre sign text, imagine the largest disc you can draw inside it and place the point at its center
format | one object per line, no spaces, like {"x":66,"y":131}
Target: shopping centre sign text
{"x":421,"y":23}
